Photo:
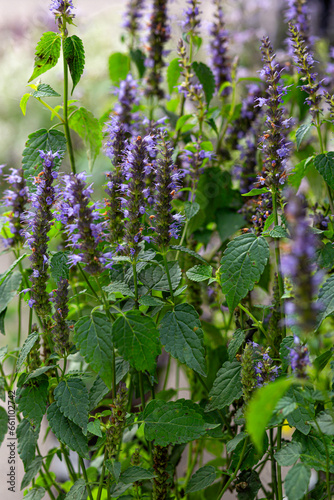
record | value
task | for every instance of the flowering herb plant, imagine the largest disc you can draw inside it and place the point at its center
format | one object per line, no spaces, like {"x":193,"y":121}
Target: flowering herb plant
{"x":205,"y":256}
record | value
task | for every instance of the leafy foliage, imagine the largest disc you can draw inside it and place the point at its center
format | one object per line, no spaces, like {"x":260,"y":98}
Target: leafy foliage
{"x":47,"y":53}
{"x":75,"y":57}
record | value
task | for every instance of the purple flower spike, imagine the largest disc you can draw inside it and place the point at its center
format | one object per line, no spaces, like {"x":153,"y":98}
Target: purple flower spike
{"x":16,"y":199}
{"x":192,"y":19}
{"x":218,"y":45}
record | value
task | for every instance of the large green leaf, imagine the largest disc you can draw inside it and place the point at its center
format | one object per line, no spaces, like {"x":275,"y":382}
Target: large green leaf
{"x":32,"y":398}
{"x":301,"y":416}
{"x":324,"y":163}
{"x":206,"y":78}
{"x":326,"y":299}
{"x":301,"y":132}
{"x":3,"y":423}
{"x":297,"y":481}
{"x":67,"y":431}
{"x":72,"y":398}
{"x":75,"y":57}
{"x":289,"y":454}
{"x":119,"y":66}
{"x":228,"y":223}
{"x":155,"y":277}
{"x":227,"y":386}
{"x":134,"y":473}
{"x":93,"y":338}
{"x":201,"y":272}
{"x":35,"y":494}
{"x":137,"y":340}
{"x":201,"y":479}
{"x":26,"y":348}
{"x":77,"y":491}
{"x":261,"y":407}
{"x":59,"y":266}
{"x":173,"y":423}
{"x":182,"y":249}
{"x":325,"y":422}
{"x":45,"y":140}
{"x":27,"y":436}
{"x":173,"y":74}
{"x":242,"y":264}
{"x":8,"y":289}
{"x":84,"y":123}
{"x":47,"y":53}
{"x":182,"y":335}
{"x":235,"y":343}
{"x":32,"y":470}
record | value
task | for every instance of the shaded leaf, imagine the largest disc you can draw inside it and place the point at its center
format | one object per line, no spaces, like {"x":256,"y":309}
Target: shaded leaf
{"x":235,"y":343}
{"x":326,"y":300}
{"x":94,"y":428}
{"x":180,"y":248}
{"x":206,"y":78}
{"x":47,"y":53}
{"x":59,"y":266}
{"x":191,"y":209}
{"x":119,"y":66}
{"x":227,"y":386}
{"x":75,"y":57}
{"x":297,"y":481}
{"x":27,"y":436}
{"x":200,"y":272}
{"x":77,"y":491}
{"x":202,"y":478}
{"x":32,"y":398}
{"x":32,"y":470}
{"x":114,"y":468}
{"x":8,"y":289}
{"x":289,"y":454}
{"x":324,"y":163}
{"x":3,"y":423}
{"x":35,"y":494}
{"x":231,"y":445}
{"x":155,"y":277}
{"x":173,"y":75}
{"x":134,"y":473}
{"x":71,"y":396}
{"x":45,"y":90}
{"x":119,"y":287}
{"x":26,"y":348}
{"x":138,"y":57}
{"x":301,"y":132}
{"x":325,"y":422}
{"x":228,"y":223}
{"x":84,"y":123}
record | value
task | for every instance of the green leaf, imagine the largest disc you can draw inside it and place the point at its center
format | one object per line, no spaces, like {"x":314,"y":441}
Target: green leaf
{"x":324,"y":163}
{"x":206,"y":78}
{"x":268,"y":223}
{"x":147,"y":300}
{"x":67,"y":431}
{"x":256,"y":191}
{"x":2,"y":321}
{"x":3,"y":423}
{"x":277,"y":232}
{"x":321,"y":361}
{"x":45,"y":140}
{"x":242,"y":265}
{"x":155,"y":277}
{"x":77,"y":491}
{"x":47,"y":53}
{"x":228,"y":223}
{"x":297,"y":481}
{"x":119,"y":287}
{"x":284,"y":351}
{"x":137,"y":340}
{"x":97,"y":392}
{"x":325,"y":422}
{"x":289,"y":454}
{"x":23,"y":103}
{"x":84,"y":123}
{"x":75,"y":57}
{"x":26,"y":348}
{"x":138,"y":57}
{"x":300,"y":417}
{"x":235,"y":343}
{"x":94,"y":428}
{"x":45,"y":90}
{"x":191,"y":209}
{"x":32,"y":470}
{"x":182,"y":249}
{"x":3,"y":352}
{"x":182,"y":120}
{"x":114,"y":468}
{"x":299,"y":171}
{"x":227,"y":386}
{"x":27,"y":436}
{"x":182,"y":335}
{"x":201,"y":272}
{"x":8,"y":289}
{"x":119,"y":67}
{"x":71,"y":396}
{"x":93,"y":338}
{"x":326,"y":300}
{"x":231,"y":445}
{"x":4,"y":275}
{"x":59,"y":266}
{"x":301,"y":132}
{"x":35,"y":494}
{"x":173,"y":75}
{"x":201,"y":479}
{"x":32,"y":399}
{"x":261,"y":407}
{"x":38,"y":372}
{"x":134,"y":473}
{"x":251,"y":482}
{"x":173,"y":423}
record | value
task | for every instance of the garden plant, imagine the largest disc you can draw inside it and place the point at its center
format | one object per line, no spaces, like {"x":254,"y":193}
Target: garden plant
{"x":206,"y":255}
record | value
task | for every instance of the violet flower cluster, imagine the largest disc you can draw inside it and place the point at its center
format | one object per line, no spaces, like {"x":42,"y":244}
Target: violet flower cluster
{"x":221,"y":64}
{"x":127,"y":98}
{"x":274,"y":144}
{"x":159,"y":34}
{"x":193,"y":162}
{"x":132,"y":17}
{"x":16,"y":200}
{"x":60,"y":329}
{"x":191,"y":16}
{"x":299,"y":358}
{"x":265,"y":370}
{"x":190,"y":90}
{"x":298,"y":14}
{"x":63,"y":11}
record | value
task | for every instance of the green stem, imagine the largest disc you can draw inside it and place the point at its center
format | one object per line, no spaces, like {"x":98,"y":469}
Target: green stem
{"x":256,"y":322}
{"x":141,"y":390}
{"x":167,"y":372}
{"x":322,"y":150}
{"x":134,"y":268}
{"x":234,"y":475}
{"x":278,"y":258}
{"x":82,"y":463}
{"x":273,"y":465}
{"x":168,"y":276}
{"x":87,"y":281}
{"x":279,"y":472}
{"x":51,"y":109}
{"x":69,"y":464}
{"x":103,"y":471}
{"x":66,"y":127}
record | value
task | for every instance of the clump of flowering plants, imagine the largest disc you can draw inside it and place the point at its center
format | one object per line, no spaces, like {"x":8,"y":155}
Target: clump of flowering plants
{"x":207,"y":250}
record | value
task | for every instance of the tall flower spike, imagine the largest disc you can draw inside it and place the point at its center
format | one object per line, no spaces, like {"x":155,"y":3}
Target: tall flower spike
{"x":274,"y":145}
{"x":299,"y":358}
{"x":298,"y":14}
{"x":132,"y":17}
{"x":38,"y":226}
{"x":192,"y":19}
{"x":60,"y":329}
{"x":264,"y":368}
{"x":159,"y":34}
{"x":17,"y":199}
{"x":127,"y":95}
{"x":248,"y":377}
{"x":299,"y":265}
{"x":116,"y":421}
{"x":221,"y":64}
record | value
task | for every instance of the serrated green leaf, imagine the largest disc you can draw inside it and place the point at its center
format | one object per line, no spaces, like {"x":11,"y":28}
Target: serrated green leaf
{"x":277,"y":232}
{"x":32,"y":398}
{"x":47,"y":53}
{"x":77,"y":491}
{"x":242,"y":265}
{"x":67,"y":431}
{"x":182,"y":249}
{"x":26,"y":348}
{"x":325,"y":422}
{"x":200,"y":272}
{"x":119,"y":287}
{"x":201,"y":479}
{"x":301,"y":416}
{"x":84,"y":123}
{"x":138,"y":57}
{"x":32,"y":470}
{"x":297,"y":481}
{"x":261,"y":407}
{"x":326,"y":300}
{"x":147,"y":300}
{"x":114,"y":468}
{"x":301,"y":132}
{"x":173,"y":423}
{"x":289,"y":454}
{"x":269,"y":221}
{"x":4,"y":275}
{"x":8,"y":289}
{"x":45,"y":90}
{"x":231,"y":445}
{"x":38,"y":372}
{"x":299,"y":171}
{"x":94,"y":428}
{"x":155,"y":277}
{"x":93,"y":338}
{"x":191,"y":209}
{"x":321,"y":361}
{"x":75,"y":57}
{"x":173,"y":75}
{"x":235,"y":343}
{"x":206,"y":78}
{"x":27,"y":436}
{"x":35,"y":494}
{"x":134,"y":473}
{"x":45,"y":140}
{"x":59,"y":266}
{"x":227,"y":386}
{"x":97,"y":392}
{"x":256,"y":191}
{"x":3,"y":423}
{"x":3,"y":352}
{"x":119,"y":67}
{"x":284,"y":351}
{"x":71,"y":396}
{"x":228,"y":223}
{"x":137,"y":340}
{"x":182,"y":335}
{"x":324,"y":163}
{"x":23,"y":103}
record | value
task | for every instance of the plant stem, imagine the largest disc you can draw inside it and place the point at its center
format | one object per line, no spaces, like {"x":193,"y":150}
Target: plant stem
{"x":134,"y":268}
{"x":278,"y":258}
{"x":234,"y":475}
{"x":167,"y":372}
{"x":168,"y":276}
{"x":141,"y":390}
{"x":82,"y":463}
{"x":273,"y":465}
{"x":66,"y":127}
{"x":279,"y":472}
{"x":99,"y":492}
